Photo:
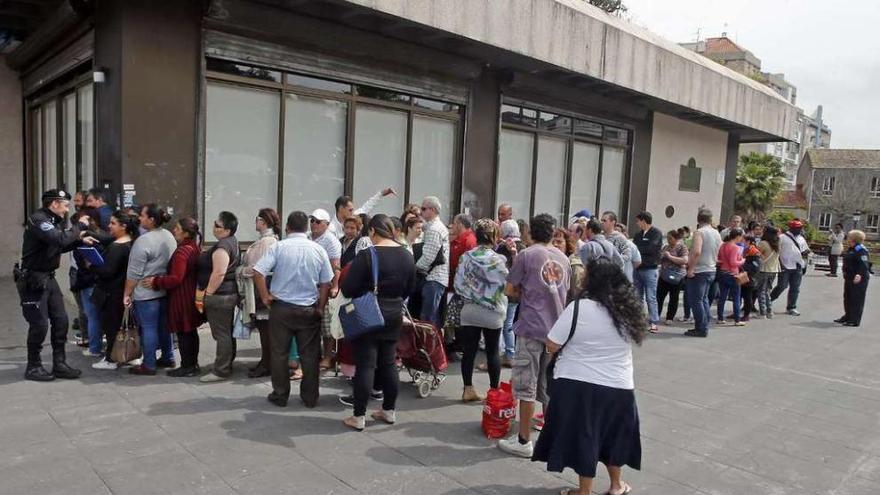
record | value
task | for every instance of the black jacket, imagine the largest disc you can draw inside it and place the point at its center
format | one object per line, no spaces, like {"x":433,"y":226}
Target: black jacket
{"x":45,"y":239}
{"x":650,"y":244}
{"x":855,"y":262}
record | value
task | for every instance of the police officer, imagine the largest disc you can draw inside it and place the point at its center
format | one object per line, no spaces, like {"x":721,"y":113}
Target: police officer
{"x":41,"y":300}
{"x":856,"y":272}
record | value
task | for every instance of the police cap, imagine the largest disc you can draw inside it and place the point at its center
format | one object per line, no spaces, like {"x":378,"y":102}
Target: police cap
{"x":56,"y":194}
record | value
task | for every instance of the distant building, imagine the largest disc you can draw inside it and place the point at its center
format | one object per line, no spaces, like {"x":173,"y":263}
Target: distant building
{"x":726,"y":52}
{"x":839,"y":186}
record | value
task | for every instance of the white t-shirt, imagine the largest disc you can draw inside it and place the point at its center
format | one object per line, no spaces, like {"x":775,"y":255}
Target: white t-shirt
{"x":596,"y":353}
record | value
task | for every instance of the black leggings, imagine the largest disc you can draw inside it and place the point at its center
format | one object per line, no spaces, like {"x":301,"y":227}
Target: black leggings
{"x":374,"y":367}
{"x":469,"y":337}
{"x":188,"y":345}
{"x":665,"y":288}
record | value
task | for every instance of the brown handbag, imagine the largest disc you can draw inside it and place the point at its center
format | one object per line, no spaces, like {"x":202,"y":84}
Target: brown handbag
{"x":127,"y":346}
{"x":742,"y":278}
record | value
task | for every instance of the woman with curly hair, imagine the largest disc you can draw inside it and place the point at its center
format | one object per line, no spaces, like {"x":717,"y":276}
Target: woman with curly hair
{"x":566,"y":242}
{"x":592,"y":415}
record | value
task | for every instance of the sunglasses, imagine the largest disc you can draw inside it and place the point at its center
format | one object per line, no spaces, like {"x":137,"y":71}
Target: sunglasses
{"x":314,"y":220}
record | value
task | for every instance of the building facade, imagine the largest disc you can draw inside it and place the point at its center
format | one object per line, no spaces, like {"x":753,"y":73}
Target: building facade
{"x":842,"y":186}
{"x":549,"y":105}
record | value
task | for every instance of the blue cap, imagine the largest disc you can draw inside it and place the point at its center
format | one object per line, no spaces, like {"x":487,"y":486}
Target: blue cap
{"x":585,"y":213}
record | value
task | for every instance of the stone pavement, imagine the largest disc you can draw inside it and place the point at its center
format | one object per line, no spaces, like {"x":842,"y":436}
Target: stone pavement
{"x":790,"y":405}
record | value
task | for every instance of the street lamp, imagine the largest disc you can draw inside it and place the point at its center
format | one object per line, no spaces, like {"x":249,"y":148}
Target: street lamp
{"x":856,"y":217}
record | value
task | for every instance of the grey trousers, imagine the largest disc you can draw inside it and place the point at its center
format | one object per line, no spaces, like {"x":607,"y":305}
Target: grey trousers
{"x":220,"y":310}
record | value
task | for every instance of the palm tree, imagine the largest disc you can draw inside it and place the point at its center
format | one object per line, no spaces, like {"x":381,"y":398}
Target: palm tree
{"x":758,"y":180}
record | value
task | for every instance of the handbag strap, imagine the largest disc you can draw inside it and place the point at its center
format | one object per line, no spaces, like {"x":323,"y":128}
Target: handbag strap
{"x":574,"y":320}
{"x":374,"y":262}
{"x":126,"y":314}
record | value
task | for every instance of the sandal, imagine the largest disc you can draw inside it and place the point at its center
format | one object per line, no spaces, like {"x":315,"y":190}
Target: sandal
{"x":653,"y":329}
{"x":624,"y":489}
{"x":296,"y":374}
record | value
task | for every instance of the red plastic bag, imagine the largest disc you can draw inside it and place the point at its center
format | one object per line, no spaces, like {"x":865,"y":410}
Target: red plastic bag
{"x":498,"y":410}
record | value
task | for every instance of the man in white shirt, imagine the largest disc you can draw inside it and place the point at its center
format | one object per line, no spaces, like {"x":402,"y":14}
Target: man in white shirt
{"x":792,"y":251}
{"x":433,"y":265}
{"x":319,"y":223}
{"x":344,"y":208}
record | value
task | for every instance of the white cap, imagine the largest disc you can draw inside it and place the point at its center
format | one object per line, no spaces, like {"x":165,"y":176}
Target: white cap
{"x":321,"y":214}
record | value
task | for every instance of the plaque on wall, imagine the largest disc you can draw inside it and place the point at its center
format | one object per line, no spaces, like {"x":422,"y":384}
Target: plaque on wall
{"x":689,"y":176}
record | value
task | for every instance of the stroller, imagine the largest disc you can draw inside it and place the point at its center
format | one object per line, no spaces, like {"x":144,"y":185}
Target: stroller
{"x":421,"y":351}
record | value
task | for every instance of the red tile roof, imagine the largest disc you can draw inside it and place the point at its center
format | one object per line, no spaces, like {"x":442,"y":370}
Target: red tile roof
{"x":722,"y":45}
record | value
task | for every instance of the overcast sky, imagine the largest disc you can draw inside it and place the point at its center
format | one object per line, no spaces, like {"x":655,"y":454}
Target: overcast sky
{"x":829,"y":50}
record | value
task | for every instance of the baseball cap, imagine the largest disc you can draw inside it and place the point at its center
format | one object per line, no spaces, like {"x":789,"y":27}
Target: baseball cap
{"x":53,"y":194}
{"x":585,"y":213}
{"x":320,"y":214}
{"x":795,"y":224}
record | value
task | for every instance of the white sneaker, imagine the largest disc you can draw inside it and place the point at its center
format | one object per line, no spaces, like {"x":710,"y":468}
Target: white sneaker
{"x":512,"y":446}
{"x":134,"y":362}
{"x":212,"y":378}
{"x":88,"y":353}
{"x":389,"y":417}
{"x":104,"y":365}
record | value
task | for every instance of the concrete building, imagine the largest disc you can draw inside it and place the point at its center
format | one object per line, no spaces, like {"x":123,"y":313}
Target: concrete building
{"x":803,"y":136}
{"x":550,"y":105}
{"x":842,"y":186}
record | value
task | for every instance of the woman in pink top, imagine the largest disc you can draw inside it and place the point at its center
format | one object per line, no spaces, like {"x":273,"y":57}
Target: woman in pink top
{"x":730,"y":259}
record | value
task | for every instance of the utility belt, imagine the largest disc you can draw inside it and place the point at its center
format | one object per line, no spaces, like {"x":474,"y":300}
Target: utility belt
{"x":27,"y":280}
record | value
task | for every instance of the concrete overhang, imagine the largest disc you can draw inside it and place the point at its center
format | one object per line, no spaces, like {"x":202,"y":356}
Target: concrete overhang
{"x":572,"y":42}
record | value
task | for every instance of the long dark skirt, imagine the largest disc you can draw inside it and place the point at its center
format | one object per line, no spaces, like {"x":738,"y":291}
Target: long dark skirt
{"x":587,"y":423}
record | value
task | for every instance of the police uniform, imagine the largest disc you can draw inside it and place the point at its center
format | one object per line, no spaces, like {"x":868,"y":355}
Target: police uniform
{"x":855,"y":262}
{"x":42,"y":302}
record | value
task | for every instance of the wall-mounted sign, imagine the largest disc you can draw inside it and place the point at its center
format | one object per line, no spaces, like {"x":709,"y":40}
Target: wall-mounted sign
{"x":689,"y":176}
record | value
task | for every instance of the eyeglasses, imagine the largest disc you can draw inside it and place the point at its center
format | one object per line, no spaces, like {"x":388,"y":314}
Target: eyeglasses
{"x":426,"y":208}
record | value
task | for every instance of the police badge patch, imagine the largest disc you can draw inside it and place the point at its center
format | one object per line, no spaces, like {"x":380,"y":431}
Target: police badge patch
{"x":46,"y":226}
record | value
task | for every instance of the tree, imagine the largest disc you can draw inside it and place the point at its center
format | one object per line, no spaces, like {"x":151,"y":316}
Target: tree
{"x":610,"y":6}
{"x":759,"y":179}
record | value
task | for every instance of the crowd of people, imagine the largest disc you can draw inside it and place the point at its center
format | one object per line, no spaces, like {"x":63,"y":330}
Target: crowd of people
{"x":559,"y":305}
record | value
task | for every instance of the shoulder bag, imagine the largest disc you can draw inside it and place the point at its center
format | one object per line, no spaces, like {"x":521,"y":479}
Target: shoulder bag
{"x":362,"y":315}
{"x":127,"y":346}
{"x":551,"y":366}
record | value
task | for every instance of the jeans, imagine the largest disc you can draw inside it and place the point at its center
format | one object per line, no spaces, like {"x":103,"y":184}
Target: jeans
{"x":687,"y":300}
{"x":151,"y":318}
{"x":763,"y":281}
{"x":470,"y":342}
{"x":432,"y":293}
{"x":507,"y":331}
{"x":645,"y":280}
{"x":93,"y":318}
{"x":374,"y":368}
{"x":698,"y":289}
{"x":791,"y":280}
{"x":727,"y":285}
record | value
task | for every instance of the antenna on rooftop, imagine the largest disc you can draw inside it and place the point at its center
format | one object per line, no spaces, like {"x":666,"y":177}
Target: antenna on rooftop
{"x":699,"y":33}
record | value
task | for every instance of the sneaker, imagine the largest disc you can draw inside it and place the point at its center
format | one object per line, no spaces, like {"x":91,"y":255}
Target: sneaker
{"x":356,"y":422}
{"x":721,"y":322}
{"x":213,"y":378}
{"x":377,"y":395}
{"x":347,"y":400}
{"x":104,"y":365}
{"x":389,"y":417}
{"x":507,"y":362}
{"x":38,"y":374}
{"x":512,"y":446}
{"x":668,"y":322}
{"x":90,"y":354}
{"x":793,"y":312}
{"x":739,"y":324}
{"x":684,"y":319}
{"x":769,"y":315}
{"x":62,"y":370}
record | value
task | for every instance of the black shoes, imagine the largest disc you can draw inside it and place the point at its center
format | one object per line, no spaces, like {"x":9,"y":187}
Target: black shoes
{"x":277,"y":400}
{"x":850,"y":324}
{"x":694,"y":333}
{"x":38,"y":374}
{"x":142,"y":370}
{"x":185,"y":372}
{"x":164,"y":363}
{"x":842,"y":320}
{"x":61,"y":370}
{"x":258,"y":372}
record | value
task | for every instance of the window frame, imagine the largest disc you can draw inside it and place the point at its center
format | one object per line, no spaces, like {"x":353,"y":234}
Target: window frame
{"x":56,"y":95}
{"x":872,"y":227}
{"x":874,"y":192}
{"x":353,"y":100}
{"x":824,"y":223}
{"x":572,"y":137}
{"x":828,"y":185}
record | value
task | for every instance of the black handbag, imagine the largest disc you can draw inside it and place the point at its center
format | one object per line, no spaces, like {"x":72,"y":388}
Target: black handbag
{"x":551,"y":366}
{"x":672,"y":276}
{"x":363,"y":315}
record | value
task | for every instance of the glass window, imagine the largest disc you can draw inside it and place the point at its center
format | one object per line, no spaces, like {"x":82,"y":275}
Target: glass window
{"x":432,"y":171}
{"x":555,"y":123}
{"x":242,"y":70}
{"x":382,"y":94}
{"x":515,"y":171}
{"x":825,"y":221}
{"x":875,"y":187}
{"x":584,"y":176}
{"x":616,"y":136}
{"x":587,"y":128}
{"x":315,"y":83}
{"x":510,"y":114}
{"x":872,"y":223}
{"x":241,"y":153}
{"x":379,"y":156}
{"x":86,"y":110}
{"x":613,"y":168}
{"x":440,"y":106}
{"x":314,"y":153}
{"x":68,"y":162}
{"x":37,"y":155}
{"x":50,"y":145}
{"x":550,"y":179}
